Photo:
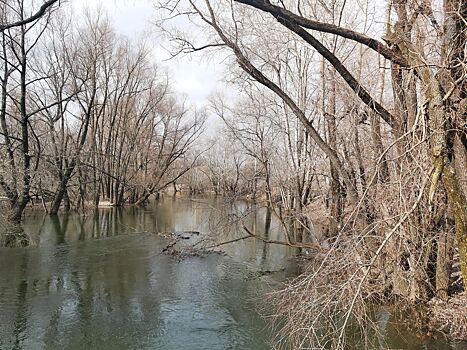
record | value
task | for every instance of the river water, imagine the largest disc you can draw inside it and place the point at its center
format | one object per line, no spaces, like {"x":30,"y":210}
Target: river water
{"x":101,"y":282}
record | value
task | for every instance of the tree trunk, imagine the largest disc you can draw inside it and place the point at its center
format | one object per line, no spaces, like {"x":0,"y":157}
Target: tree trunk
{"x":441,"y":116}
{"x":57,"y":200}
{"x":443,"y":265}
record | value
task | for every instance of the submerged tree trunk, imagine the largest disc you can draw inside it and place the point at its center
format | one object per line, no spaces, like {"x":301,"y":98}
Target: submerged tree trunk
{"x":61,"y":190}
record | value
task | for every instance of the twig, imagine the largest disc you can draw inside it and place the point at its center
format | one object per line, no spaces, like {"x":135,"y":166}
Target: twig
{"x":227,"y":242}
{"x":289,"y":244}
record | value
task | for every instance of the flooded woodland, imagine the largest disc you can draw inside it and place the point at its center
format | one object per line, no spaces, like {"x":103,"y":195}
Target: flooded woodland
{"x":233,"y":174}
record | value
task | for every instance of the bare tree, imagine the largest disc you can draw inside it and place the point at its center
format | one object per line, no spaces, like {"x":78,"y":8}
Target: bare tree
{"x":18,"y":107}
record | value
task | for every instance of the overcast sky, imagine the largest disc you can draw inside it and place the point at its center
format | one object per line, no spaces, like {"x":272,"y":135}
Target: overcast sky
{"x":135,"y":18}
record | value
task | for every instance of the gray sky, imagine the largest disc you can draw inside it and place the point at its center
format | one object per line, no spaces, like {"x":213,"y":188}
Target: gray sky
{"x":190,"y":75}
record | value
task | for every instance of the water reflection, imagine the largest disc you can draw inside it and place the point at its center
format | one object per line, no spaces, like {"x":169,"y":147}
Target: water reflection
{"x":222,"y":221}
{"x":99,"y":282}
{"x":120,"y":294}
{"x":76,"y":290}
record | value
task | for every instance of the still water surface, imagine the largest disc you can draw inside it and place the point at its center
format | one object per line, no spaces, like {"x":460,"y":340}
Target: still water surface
{"x":100,"y":282}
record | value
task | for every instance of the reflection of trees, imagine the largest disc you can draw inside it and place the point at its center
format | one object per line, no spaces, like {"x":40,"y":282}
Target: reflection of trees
{"x":21,"y":320}
{"x":14,"y":236}
{"x":118,"y":289}
{"x":267,"y":227}
{"x":105,"y":223}
{"x":60,"y":226}
{"x":52,"y":332}
{"x":82,"y":230}
{"x":163,"y":216}
{"x":86,"y":293}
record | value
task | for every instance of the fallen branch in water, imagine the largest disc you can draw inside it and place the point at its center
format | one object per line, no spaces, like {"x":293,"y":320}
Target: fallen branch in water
{"x":315,"y":246}
{"x":178,"y":234}
{"x":227,"y":242}
{"x":170,"y":245}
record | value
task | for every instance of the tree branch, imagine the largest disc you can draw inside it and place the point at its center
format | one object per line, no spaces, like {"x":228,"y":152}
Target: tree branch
{"x":34,"y":17}
{"x":282,"y":13}
{"x":342,"y":70}
{"x":314,"y":246}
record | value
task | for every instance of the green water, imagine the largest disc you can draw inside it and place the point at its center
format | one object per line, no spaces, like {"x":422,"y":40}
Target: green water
{"x":100,"y":282}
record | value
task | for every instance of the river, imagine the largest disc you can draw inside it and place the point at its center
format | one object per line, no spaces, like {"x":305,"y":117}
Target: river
{"x":99,"y":281}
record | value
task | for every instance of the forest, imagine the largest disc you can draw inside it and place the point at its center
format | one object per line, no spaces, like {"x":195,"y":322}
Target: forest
{"x":348,"y":124}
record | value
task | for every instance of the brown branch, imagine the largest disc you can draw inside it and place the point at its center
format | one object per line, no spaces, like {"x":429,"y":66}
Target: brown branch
{"x":342,"y":70}
{"x":227,"y":242}
{"x":249,"y":68}
{"x":289,"y":244}
{"x":282,"y":13}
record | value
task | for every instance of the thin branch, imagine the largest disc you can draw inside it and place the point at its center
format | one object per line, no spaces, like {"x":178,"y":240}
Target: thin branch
{"x":227,"y":242}
{"x":315,"y":246}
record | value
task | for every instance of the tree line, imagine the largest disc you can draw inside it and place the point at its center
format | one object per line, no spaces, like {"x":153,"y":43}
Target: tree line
{"x":86,"y":115}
